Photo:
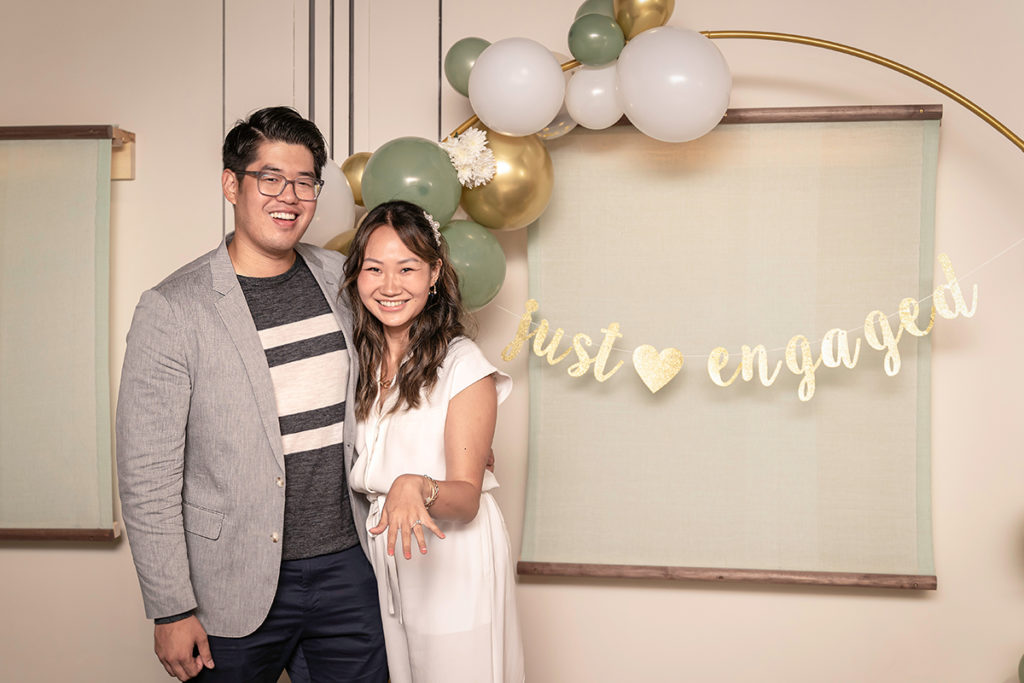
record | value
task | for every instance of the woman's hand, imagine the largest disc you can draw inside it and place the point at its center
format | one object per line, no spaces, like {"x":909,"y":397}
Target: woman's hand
{"x":404,"y":513}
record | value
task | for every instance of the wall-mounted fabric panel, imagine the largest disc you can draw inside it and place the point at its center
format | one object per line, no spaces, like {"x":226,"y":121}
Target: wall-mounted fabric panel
{"x":55,"y":451}
{"x":750,"y":235}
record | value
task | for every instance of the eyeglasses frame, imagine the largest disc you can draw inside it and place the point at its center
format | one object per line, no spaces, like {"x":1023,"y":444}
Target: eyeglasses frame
{"x":317,"y":182}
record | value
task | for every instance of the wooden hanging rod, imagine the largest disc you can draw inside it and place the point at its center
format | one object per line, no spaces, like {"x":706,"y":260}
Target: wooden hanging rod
{"x":111,"y":534}
{"x":112,"y":133}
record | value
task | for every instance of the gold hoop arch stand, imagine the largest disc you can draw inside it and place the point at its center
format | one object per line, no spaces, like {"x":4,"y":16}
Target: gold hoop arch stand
{"x":844,"y":49}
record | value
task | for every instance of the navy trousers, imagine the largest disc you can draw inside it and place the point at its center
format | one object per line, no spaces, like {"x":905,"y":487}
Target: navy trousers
{"x":323,"y":627}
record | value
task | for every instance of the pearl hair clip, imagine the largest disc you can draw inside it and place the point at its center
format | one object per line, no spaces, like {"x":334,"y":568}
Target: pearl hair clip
{"x":435,"y":226}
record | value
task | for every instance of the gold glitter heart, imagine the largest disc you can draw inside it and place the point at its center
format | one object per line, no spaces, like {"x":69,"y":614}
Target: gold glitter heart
{"x":657,"y":369}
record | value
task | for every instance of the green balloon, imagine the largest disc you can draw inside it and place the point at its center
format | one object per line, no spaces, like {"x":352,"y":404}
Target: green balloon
{"x":460,"y":60}
{"x":604,"y":7}
{"x":478,"y":260}
{"x":416,"y":170}
{"x":596,"y":40}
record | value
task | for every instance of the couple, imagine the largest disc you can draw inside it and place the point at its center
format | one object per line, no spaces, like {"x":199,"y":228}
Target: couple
{"x":286,"y":414}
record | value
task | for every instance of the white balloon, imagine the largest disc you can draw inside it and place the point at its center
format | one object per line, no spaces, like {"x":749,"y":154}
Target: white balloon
{"x":335,"y":208}
{"x":563,"y":123}
{"x":591,"y":97}
{"x":516,"y":86}
{"x":673,"y":83}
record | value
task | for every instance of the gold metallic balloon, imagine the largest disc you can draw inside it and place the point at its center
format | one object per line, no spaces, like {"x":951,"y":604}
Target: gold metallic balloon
{"x":341,"y":242}
{"x":636,"y":16}
{"x":353,"y":170}
{"x":521,"y":188}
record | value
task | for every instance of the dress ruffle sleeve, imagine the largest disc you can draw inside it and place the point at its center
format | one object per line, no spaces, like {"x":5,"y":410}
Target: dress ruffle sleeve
{"x":466,"y":365}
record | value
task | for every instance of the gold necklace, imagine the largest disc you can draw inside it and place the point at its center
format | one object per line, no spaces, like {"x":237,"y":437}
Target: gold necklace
{"x":385,"y":384}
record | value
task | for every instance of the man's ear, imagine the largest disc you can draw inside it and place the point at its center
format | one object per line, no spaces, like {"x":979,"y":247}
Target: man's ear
{"x":229,"y":183}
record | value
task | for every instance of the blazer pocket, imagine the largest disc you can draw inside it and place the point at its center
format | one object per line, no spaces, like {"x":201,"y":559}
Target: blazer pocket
{"x":202,"y":522}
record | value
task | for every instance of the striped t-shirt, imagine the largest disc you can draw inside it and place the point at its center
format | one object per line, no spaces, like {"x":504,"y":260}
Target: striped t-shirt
{"x":308,"y":362}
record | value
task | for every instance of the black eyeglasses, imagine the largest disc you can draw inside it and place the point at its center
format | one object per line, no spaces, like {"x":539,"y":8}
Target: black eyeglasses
{"x":272,"y":185}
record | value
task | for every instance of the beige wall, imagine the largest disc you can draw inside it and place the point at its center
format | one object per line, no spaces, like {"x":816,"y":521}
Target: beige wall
{"x":74,"y":612}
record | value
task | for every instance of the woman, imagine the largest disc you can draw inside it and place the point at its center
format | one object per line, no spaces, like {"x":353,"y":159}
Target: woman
{"x":427,"y":403}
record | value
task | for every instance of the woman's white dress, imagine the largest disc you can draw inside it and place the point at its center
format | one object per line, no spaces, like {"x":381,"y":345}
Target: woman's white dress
{"x":450,"y":615}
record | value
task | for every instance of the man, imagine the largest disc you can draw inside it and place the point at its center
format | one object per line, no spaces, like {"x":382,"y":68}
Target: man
{"x":235,"y":435}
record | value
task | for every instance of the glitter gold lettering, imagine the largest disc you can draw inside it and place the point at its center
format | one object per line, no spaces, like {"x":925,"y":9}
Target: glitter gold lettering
{"x":953,"y":287}
{"x":759,"y":355}
{"x":611,"y":333}
{"x":836,"y":340}
{"x":806,"y":366}
{"x":656,"y":369}
{"x":909,"y":310}
{"x":581,"y":367}
{"x":538,"y":343}
{"x":522,"y":333}
{"x":889,"y":341}
{"x":717,"y":360}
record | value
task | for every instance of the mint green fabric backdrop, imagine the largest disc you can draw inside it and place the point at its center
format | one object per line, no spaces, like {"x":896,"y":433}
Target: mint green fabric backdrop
{"x":55,"y":457}
{"x":750,"y":235}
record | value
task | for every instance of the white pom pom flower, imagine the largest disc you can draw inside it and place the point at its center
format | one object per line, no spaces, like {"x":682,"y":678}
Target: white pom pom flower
{"x":472,"y":158}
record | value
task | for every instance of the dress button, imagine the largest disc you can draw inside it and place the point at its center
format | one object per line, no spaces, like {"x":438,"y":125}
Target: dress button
{"x":280,"y":482}
{"x":274,"y":537}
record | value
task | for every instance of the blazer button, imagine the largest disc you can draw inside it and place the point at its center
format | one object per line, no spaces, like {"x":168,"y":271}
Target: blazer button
{"x":275,"y":537}
{"x":280,"y":482}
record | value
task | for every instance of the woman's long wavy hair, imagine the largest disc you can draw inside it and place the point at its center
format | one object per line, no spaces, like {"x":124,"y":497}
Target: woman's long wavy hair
{"x":431,"y":331}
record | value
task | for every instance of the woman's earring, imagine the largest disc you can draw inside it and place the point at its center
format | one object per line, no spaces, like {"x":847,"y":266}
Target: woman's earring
{"x":433,"y":290}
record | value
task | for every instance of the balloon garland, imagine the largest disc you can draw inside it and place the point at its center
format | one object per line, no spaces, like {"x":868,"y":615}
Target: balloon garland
{"x":523,"y":94}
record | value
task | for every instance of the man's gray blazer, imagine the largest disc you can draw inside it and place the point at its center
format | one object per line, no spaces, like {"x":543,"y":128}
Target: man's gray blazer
{"x":199,"y":453}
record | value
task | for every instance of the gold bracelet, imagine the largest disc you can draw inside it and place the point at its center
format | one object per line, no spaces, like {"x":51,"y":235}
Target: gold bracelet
{"x":434,"y":490}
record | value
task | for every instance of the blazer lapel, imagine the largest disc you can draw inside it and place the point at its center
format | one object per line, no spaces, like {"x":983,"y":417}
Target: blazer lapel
{"x":234,"y":312}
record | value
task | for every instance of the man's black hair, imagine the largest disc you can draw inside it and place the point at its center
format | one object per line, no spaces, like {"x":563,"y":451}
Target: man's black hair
{"x":272,"y":124}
